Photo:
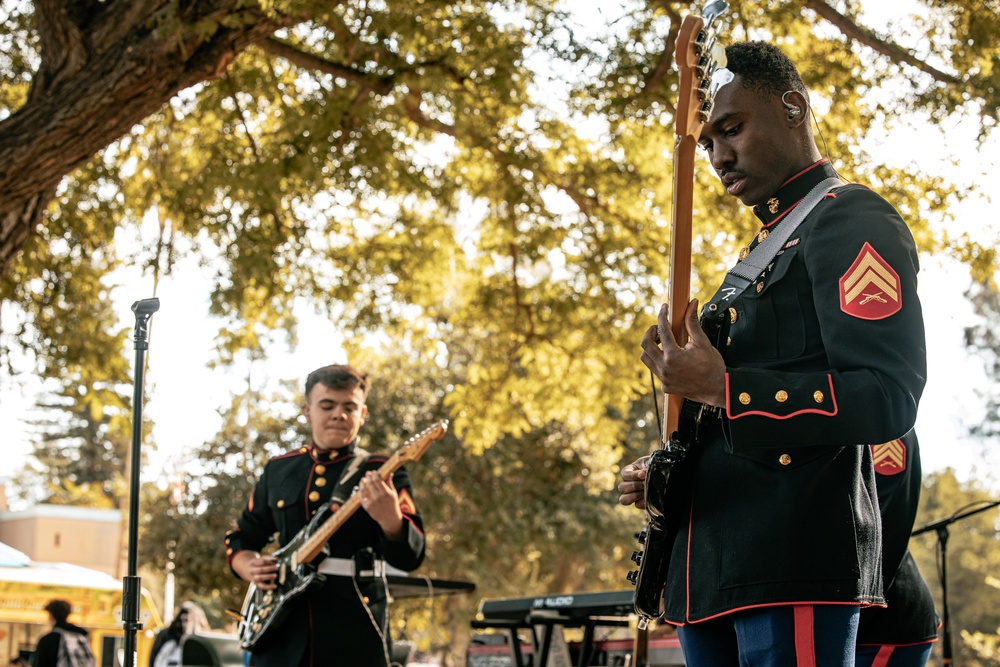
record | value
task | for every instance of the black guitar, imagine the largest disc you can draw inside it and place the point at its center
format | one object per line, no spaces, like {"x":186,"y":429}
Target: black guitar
{"x":263,"y":611}
{"x":698,"y":58}
{"x":663,"y":491}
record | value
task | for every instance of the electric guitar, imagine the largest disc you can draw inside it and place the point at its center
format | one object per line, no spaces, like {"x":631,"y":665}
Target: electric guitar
{"x":698,"y":58}
{"x":263,"y":611}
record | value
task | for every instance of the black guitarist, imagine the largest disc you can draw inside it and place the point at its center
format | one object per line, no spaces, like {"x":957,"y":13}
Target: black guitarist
{"x":343,"y":622}
{"x":778,"y":539}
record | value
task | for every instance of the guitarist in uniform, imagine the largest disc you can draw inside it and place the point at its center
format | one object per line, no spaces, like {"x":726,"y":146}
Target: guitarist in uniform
{"x":778,"y":542}
{"x":343,"y":622}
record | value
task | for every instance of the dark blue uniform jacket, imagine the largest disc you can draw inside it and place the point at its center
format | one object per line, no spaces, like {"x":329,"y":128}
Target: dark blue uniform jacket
{"x":330,"y":626}
{"x":825,"y":356}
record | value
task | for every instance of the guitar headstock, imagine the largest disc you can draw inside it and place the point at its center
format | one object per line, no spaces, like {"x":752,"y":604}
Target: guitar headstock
{"x":698,"y":57}
{"x":414,"y":448}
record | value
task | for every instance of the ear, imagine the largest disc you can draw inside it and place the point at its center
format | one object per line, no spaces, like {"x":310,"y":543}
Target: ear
{"x":305,"y":410}
{"x":364,"y":413}
{"x":796,"y":107}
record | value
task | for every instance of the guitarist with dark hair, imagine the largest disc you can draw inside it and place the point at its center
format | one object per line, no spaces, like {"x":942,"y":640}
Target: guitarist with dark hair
{"x":777,"y":544}
{"x":341,"y":619}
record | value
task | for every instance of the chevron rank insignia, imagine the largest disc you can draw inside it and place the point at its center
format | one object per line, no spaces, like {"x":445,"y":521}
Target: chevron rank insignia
{"x":889,"y":457}
{"x":870,"y":288}
{"x":406,"y":504}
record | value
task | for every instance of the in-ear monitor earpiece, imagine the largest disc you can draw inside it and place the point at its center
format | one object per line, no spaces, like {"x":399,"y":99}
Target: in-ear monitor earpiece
{"x":793,"y":110}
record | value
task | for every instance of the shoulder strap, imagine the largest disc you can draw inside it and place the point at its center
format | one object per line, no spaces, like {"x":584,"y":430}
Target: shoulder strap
{"x":749,"y":269}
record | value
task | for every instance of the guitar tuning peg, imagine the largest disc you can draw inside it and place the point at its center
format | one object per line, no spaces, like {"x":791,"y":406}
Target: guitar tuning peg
{"x":637,"y":557}
{"x":641,"y":536}
{"x":714,"y":10}
{"x":633,"y":576}
{"x":706,"y":110}
{"x":703,"y":90}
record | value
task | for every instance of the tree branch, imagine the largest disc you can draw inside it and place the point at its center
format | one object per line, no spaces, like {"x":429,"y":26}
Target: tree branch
{"x":413,"y":111}
{"x":63,"y":47}
{"x":864,"y":36}
{"x":665,"y":61}
{"x":381,"y":85}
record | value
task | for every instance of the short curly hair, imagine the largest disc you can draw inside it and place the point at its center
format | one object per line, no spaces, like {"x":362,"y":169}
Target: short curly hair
{"x":763,"y":68}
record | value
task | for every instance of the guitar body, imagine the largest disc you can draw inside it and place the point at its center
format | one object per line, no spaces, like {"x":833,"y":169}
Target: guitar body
{"x":657,"y":539}
{"x":264,"y":610}
{"x":666,"y":489}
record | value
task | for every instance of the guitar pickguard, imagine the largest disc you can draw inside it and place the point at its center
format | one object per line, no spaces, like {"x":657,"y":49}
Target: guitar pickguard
{"x":263,"y":611}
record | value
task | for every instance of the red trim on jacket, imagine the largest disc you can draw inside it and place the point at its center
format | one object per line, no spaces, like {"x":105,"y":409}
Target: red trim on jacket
{"x":773,"y":604}
{"x":761,"y":413}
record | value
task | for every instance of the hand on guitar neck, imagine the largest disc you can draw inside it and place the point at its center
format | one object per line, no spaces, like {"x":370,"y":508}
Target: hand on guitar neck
{"x":694,"y":370}
{"x":380,"y":500}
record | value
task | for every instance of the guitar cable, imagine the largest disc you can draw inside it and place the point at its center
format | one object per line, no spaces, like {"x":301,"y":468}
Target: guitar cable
{"x":826,"y":148}
{"x":380,"y":631}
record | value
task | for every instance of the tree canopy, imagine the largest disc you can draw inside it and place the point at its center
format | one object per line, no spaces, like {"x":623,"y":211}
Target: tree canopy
{"x":477,"y":191}
{"x":492,"y":170}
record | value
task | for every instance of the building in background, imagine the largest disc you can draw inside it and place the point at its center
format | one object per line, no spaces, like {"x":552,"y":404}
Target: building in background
{"x":82,"y":536}
{"x":72,"y":553}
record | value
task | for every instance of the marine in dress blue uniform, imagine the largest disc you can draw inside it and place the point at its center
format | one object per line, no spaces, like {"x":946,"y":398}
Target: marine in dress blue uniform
{"x":343,"y":623}
{"x":779,"y":545}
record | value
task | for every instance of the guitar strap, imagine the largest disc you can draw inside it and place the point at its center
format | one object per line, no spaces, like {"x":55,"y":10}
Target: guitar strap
{"x":749,"y":269}
{"x":350,"y":477}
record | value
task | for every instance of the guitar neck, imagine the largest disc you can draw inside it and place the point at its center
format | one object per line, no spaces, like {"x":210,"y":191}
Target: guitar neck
{"x":680,"y":261}
{"x":314,"y":545}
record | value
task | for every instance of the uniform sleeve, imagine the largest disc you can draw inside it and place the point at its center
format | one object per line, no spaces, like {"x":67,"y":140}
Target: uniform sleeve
{"x":255,"y":526}
{"x":406,"y":553}
{"x":861,"y":264}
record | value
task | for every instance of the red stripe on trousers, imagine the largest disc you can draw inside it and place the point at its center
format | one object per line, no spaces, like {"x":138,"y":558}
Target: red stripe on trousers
{"x":882,"y":657}
{"x":805,"y":646}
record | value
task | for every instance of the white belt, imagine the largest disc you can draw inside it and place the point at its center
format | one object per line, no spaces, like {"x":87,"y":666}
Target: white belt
{"x":344,"y":567}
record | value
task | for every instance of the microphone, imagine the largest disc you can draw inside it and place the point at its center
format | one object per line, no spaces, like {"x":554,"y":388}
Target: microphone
{"x":146,"y":306}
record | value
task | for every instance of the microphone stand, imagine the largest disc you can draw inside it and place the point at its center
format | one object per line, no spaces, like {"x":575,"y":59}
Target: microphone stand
{"x":941,"y":527}
{"x":131,"y":584}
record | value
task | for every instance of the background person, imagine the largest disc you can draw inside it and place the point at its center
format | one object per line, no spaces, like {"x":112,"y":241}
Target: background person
{"x":166,"y":651}
{"x":902,"y":633}
{"x":66,"y":639}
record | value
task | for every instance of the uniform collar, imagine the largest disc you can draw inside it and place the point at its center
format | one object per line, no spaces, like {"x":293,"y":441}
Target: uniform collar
{"x":792,"y":191}
{"x":328,"y":455}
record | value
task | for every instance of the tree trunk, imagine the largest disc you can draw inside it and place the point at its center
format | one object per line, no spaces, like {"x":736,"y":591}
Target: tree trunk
{"x":89,"y":92}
